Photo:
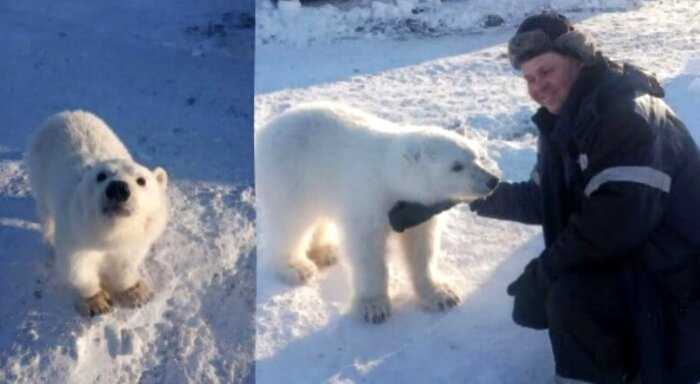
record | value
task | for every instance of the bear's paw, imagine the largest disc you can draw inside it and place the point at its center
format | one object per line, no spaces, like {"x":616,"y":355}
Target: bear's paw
{"x":323,"y":256}
{"x":135,"y":296}
{"x":98,"y":304}
{"x":375,"y":310}
{"x":440,"y":297}
{"x":298,"y":271}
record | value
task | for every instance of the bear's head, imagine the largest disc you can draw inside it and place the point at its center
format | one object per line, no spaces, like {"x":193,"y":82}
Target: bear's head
{"x":121,"y":202}
{"x":440,"y":165}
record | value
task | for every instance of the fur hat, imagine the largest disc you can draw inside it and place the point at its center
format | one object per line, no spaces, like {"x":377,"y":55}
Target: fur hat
{"x":549,"y":32}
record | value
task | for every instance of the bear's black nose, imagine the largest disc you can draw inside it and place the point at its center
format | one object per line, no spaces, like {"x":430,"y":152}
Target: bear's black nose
{"x":117,"y":191}
{"x":492,"y":182}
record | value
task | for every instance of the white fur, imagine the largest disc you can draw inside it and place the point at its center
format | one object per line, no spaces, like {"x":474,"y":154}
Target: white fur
{"x":325,"y":163}
{"x":95,"y":250}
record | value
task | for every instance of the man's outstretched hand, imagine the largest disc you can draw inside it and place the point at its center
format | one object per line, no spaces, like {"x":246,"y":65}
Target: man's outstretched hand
{"x":404,"y":214}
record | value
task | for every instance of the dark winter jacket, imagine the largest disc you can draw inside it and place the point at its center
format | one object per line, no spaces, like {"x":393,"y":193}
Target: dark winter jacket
{"x":617,"y":176}
{"x":616,"y":184}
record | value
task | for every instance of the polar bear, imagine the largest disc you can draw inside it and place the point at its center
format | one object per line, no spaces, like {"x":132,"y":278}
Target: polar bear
{"x":328,"y":174}
{"x":98,"y":208}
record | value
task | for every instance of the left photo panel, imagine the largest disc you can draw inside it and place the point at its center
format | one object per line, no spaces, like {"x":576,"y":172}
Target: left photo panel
{"x":127,"y":238}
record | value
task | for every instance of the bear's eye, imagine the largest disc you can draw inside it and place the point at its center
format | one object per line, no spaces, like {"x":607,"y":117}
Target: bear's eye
{"x":457,"y":167}
{"x":141,"y":181}
{"x":101,"y":177}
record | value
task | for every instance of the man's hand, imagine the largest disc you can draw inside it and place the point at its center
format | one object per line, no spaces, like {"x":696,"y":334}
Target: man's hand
{"x":530,"y":292}
{"x":404,"y":215}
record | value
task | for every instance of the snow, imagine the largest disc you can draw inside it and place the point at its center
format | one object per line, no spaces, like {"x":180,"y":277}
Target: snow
{"x":459,"y":79}
{"x":402,"y":19}
{"x":174,"y":79}
{"x":693,"y":71}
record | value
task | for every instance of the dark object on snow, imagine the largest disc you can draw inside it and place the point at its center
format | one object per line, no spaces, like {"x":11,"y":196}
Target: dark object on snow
{"x":491,"y":21}
{"x":404,"y":215}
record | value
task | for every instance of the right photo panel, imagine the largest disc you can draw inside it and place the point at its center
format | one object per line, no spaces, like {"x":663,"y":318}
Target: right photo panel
{"x":477,"y":191}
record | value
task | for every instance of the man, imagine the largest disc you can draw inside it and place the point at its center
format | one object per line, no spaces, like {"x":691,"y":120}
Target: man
{"x":616,"y":189}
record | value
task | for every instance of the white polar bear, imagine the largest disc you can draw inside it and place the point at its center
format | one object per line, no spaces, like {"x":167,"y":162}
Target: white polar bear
{"x":99,"y":208}
{"x":326,"y":166}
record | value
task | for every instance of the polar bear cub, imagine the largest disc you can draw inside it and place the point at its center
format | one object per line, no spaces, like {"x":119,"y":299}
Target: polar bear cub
{"x":326,"y":167}
{"x":99,"y":209}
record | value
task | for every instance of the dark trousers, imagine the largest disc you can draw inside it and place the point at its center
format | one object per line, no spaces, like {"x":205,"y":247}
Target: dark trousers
{"x":591,"y":328}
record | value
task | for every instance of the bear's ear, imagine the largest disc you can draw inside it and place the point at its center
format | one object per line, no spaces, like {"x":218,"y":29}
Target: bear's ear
{"x":161,"y":176}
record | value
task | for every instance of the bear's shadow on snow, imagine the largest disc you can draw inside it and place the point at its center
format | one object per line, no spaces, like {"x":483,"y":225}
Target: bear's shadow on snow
{"x":36,"y":313}
{"x":339,"y":349}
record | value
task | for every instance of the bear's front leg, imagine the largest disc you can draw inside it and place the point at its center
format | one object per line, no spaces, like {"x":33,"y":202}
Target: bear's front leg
{"x":83,"y":274}
{"x":420,"y":245}
{"x":123,"y":279}
{"x":98,"y":304}
{"x":134,"y":296}
{"x":366,"y":249}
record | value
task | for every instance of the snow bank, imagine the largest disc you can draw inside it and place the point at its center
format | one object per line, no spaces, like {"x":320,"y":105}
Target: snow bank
{"x":683,"y":95}
{"x":362,"y":19}
{"x":693,"y":69}
{"x":197,"y":327}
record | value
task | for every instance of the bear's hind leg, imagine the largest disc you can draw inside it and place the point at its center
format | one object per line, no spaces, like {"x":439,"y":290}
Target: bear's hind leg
{"x":323,"y":248}
{"x":420,"y":244}
{"x":284,"y":240}
{"x":83,"y":274}
{"x":297,"y":271}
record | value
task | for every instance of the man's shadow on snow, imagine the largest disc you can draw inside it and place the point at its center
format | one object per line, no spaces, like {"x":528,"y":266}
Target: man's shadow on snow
{"x":480,"y":326}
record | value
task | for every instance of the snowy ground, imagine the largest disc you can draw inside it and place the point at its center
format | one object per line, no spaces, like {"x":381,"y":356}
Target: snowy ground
{"x":174,"y":80}
{"x":396,"y":19}
{"x":462,"y":81}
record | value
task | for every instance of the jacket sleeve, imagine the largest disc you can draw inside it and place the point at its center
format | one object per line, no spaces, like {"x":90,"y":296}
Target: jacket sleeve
{"x":625,"y":192}
{"x":519,"y":202}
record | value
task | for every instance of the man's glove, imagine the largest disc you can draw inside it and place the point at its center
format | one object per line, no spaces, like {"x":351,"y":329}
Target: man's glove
{"x":476,"y":205}
{"x":530,"y":291}
{"x":404,"y":215}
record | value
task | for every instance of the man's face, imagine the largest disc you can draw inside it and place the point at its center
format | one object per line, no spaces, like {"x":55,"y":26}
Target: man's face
{"x":549,"y":78}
